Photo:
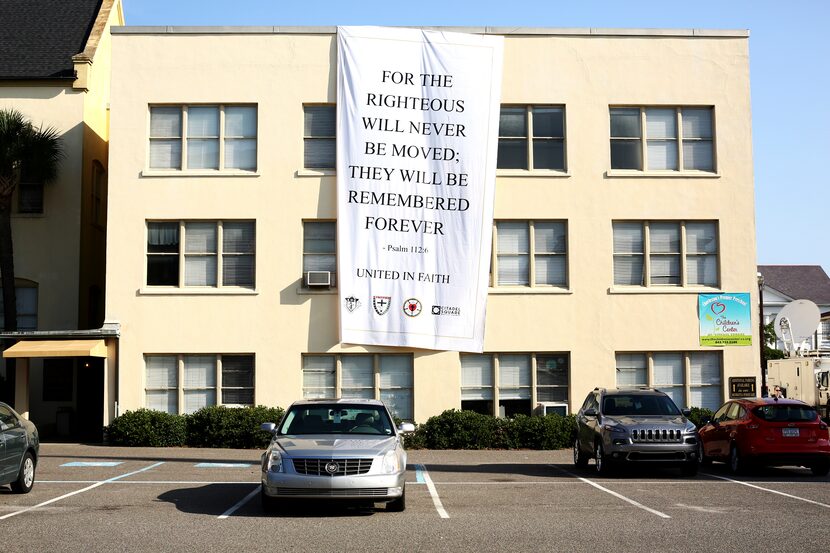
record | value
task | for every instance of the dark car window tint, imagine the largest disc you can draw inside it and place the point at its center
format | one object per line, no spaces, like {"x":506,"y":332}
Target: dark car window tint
{"x":7,"y":417}
{"x":785,"y":413}
{"x":587,"y":403}
{"x":336,"y":419}
{"x":622,"y":404}
{"x":720,"y":414}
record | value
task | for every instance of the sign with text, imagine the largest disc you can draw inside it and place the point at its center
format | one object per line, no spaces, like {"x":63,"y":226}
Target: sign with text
{"x":742,"y":387}
{"x":417,"y":135}
{"x":724,"y":319}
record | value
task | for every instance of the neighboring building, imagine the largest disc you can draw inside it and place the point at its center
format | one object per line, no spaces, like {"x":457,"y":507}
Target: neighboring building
{"x":55,"y":69}
{"x":786,"y":283}
{"x":633,"y":197}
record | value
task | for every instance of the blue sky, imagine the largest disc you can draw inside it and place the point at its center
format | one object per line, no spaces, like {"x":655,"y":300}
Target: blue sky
{"x":789,"y":54}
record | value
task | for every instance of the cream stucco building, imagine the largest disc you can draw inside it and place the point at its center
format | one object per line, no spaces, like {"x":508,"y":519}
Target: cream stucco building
{"x":624,"y":191}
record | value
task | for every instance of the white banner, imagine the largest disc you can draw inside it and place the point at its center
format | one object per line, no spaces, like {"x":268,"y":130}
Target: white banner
{"x":417,"y":136}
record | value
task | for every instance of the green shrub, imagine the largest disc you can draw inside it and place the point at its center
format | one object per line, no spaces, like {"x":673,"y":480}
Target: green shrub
{"x":549,"y":432}
{"x":700,"y":415}
{"x":147,"y":428}
{"x":231,"y":427}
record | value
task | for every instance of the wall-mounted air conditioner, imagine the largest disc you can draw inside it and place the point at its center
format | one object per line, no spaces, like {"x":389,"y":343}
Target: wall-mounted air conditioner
{"x":549,"y":407}
{"x":318,"y":279}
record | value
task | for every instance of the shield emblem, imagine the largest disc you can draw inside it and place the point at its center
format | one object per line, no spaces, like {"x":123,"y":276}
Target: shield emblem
{"x":381,"y":304}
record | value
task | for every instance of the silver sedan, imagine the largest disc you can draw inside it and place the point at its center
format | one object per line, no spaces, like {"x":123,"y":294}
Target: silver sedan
{"x":19,"y":445}
{"x":344,"y":449}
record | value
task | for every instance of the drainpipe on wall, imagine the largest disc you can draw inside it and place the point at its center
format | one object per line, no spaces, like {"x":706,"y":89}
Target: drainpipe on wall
{"x":761,"y":333}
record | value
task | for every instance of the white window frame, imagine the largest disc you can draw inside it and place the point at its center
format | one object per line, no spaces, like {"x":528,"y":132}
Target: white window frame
{"x":683,"y":253}
{"x":183,"y":136}
{"x":532,"y":253}
{"x":643,"y":139}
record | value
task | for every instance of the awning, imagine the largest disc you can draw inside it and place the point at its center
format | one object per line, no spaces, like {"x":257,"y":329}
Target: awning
{"x":57,"y":348}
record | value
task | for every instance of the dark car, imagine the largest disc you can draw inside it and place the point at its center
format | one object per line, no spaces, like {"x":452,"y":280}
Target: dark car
{"x":636,"y":426}
{"x":19,"y":445}
{"x":766,"y":431}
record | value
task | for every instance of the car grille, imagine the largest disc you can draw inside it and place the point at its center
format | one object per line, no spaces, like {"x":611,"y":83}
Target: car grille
{"x":332,"y":467}
{"x":347,"y":492}
{"x":655,"y":435}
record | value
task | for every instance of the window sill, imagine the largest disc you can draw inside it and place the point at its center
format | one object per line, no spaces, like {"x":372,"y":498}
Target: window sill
{"x":321,"y":292}
{"x":170,"y":291}
{"x":624,"y":173}
{"x":526,"y":290}
{"x":660,"y":290}
{"x":315,"y":173}
{"x":178,"y":173}
{"x":532,"y":173}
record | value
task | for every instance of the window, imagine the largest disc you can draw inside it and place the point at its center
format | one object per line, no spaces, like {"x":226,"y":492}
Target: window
{"x":387,"y":377}
{"x":26,"y":296}
{"x":689,"y":378}
{"x":215,"y":254}
{"x":30,"y":197}
{"x":661,"y":253}
{"x":649,"y":137}
{"x":320,"y":248}
{"x":319,"y":137}
{"x":200,"y":377}
{"x":532,"y":137}
{"x":523,"y":381}
{"x":531,"y":253}
{"x":205,"y":137}
{"x":824,"y":335}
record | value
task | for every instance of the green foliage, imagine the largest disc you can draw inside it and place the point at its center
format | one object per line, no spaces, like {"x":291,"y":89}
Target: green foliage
{"x":469,"y":430}
{"x":769,"y":352}
{"x":232,"y":427}
{"x":147,"y":428}
{"x":700,"y":415}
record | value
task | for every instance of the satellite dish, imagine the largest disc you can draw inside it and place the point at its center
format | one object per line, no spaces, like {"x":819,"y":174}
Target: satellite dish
{"x":796,"y":322}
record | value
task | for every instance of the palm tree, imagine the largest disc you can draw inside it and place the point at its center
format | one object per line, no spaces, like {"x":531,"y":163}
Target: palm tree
{"x":37,"y":153}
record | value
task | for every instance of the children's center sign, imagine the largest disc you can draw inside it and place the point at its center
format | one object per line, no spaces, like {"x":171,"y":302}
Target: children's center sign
{"x":417,"y":132}
{"x":725,"y":320}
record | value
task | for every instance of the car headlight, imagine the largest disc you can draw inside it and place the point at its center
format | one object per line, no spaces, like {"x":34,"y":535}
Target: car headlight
{"x":690,"y":428}
{"x":614,"y":428}
{"x":391,"y":463}
{"x":274,"y":462}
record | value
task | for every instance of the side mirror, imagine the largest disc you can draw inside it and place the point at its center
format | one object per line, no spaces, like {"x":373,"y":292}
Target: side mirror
{"x":406,"y":427}
{"x":686,"y":412}
{"x":269,"y":427}
{"x":590,"y":412}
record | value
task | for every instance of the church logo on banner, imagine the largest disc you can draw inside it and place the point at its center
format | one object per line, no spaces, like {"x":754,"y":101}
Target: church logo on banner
{"x":417,"y":137}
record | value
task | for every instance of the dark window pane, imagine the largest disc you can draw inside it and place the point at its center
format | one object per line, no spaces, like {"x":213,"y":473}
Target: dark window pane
{"x":549,"y":154}
{"x":163,"y":270}
{"x":513,"y":122}
{"x":513,"y":407}
{"x":163,"y":238}
{"x":552,"y":370}
{"x":625,"y":123}
{"x":626,"y":154}
{"x":481,"y":406}
{"x":548,"y":122}
{"x":238,"y":371}
{"x":238,"y":270}
{"x":320,"y":121}
{"x":512,"y":154}
{"x":237,"y":397}
{"x":552,"y":393}
{"x":320,"y":153}
{"x":30,"y":197}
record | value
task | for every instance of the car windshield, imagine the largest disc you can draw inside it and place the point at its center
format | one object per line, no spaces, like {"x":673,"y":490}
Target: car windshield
{"x":322,"y":418}
{"x":638,"y":405}
{"x":785,"y":413}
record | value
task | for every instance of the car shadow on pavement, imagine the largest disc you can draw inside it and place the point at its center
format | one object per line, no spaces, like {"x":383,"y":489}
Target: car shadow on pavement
{"x":216,"y":499}
{"x":505,"y":469}
{"x":254,"y":460}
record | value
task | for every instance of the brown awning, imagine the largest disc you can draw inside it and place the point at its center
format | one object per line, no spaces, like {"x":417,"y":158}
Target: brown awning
{"x":57,"y":348}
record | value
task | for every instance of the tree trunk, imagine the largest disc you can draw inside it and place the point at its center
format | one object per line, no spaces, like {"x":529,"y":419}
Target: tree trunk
{"x":7,"y":265}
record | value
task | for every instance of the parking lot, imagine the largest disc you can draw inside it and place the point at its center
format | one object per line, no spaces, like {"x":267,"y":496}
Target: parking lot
{"x":96,"y":498}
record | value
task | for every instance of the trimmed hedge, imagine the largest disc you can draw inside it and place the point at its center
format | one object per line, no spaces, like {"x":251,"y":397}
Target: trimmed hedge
{"x":218,"y":426}
{"x":700,"y":415}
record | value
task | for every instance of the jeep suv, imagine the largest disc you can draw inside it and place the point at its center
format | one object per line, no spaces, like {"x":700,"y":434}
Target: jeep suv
{"x":637,"y":426}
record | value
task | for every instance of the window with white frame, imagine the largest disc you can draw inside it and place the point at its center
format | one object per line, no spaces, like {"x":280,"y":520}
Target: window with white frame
{"x":320,"y":248}
{"x":186,"y":383}
{"x":524,"y":379}
{"x":201,"y":253}
{"x":203,"y":138}
{"x":26,"y":292}
{"x":319,"y":136}
{"x":666,"y":253}
{"x":662,"y":139}
{"x":530,"y":253}
{"x":690,"y":378}
{"x":532,"y":137}
{"x":387,"y":377}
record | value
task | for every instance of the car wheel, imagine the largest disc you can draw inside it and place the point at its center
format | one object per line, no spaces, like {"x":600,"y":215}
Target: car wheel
{"x":820,"y":469}
{"x":397,"y":505}
{"x":580,"y":459}
{"x":603,"y":464}
{"x":737,"y":463}
{"x":701,"y":456}
{"x":269,"y":504}
{"x":26,"y":476}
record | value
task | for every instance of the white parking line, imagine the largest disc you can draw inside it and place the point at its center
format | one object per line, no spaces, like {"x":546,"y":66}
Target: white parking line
{"x":240,"y":503}
{"x":768,"y":490}
{"x":422,"y":470}
{"x":76,"y":492}
{"x":615,"y":494}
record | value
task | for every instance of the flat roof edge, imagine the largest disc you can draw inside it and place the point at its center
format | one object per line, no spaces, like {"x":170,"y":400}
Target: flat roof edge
{"x":517,"y":31}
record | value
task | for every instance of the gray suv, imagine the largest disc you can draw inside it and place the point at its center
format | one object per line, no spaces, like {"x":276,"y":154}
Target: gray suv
{"x":637,"y":426}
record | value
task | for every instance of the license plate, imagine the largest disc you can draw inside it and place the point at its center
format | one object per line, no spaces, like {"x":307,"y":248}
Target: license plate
{"x":789,"y":432}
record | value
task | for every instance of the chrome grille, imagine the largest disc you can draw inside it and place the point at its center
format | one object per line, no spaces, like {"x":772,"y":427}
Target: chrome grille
{"x":656,"y":435}
{"x":323,"y":492}
{"x":332,"y":467}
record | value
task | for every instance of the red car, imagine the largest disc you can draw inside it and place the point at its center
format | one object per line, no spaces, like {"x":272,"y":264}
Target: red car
{"x":766,"y":431}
